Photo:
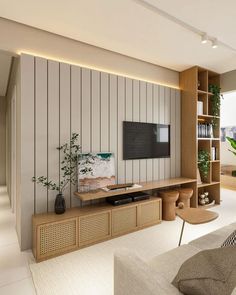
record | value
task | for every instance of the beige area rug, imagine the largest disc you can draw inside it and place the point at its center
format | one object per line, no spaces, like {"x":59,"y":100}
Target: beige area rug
{"x":90,"y":271}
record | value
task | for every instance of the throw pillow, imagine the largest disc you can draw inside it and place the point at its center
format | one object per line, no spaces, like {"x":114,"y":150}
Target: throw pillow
{"x":209,"y":272}
{"x":230,"y":241}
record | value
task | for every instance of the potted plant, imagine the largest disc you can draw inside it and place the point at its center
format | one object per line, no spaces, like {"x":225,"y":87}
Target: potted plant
{"x":232,"y":142}
{"x":215,"y":103}
{"x":204,"y":163}
{"x":68,"y":167}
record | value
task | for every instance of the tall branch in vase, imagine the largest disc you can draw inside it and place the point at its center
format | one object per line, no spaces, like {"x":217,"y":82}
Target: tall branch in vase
{"x":70,"y":154}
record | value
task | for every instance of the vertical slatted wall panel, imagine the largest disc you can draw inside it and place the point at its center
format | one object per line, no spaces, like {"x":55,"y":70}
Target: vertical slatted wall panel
{"x":41,"y":149}
{"x":149,"y":120}
{"x":53,"y":128}
{"x":113,"y":117}
{"x":167,"y":121}
{"x":121,"y":118}
{"x":162,"y":121}
{"x":75,"y":118}
{"x":128,"y":117}
{"x":143,"y":118}
{"x":136,"y":99}
{"x":104,"y":113}
{"x":172,"y":132}
{"x":65,"y":128}
{"x":28,"y":201}
{"x":177,"y":134}
{"x":96,"y":113}
{"x":156,"y":162}
{"x":58,"y":99}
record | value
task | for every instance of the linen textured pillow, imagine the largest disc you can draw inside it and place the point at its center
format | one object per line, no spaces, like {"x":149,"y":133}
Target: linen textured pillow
{"x":230,"y":241}
{"x":209,"y":272}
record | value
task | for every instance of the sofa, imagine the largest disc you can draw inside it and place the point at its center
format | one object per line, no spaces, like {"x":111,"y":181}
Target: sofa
{"x":134,"y":276}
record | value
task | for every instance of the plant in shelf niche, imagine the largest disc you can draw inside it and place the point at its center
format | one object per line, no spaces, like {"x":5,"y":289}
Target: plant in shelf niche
{"x":68,"y":167}
{"x":204,"y":163}
{"x":215,"y":103}
{"x":232,"y":142}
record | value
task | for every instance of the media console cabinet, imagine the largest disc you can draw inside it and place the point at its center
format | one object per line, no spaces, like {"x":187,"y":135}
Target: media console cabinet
{"x":54,"y":235}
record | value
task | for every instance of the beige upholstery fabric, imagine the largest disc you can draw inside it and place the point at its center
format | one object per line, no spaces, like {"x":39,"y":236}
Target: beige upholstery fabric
{"x":169,"y":263}
{"x":132,"y":276}
{"x":214,"y":239}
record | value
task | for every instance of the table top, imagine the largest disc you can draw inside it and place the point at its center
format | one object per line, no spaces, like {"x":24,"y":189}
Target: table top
{"x":196,"y":215}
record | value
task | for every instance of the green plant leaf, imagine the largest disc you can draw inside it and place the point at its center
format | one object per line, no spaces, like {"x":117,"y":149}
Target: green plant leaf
{"x":232,"y":141}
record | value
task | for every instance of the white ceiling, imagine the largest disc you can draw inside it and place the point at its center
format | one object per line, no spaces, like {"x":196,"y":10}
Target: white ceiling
{"x":5,"y":67}
{"x":126,"y":27}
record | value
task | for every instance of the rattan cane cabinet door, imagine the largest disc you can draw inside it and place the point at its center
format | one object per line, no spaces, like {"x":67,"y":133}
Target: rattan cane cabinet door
{"x":57,"y":238}
{"x":149,"y":213}
{"x":94,"y":228}
{"x":124,"y":220}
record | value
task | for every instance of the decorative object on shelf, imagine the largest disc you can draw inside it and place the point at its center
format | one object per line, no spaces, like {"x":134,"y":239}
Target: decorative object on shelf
{"x":68,"y":168}
{"x":199,"y":181}
{"x":203,"y":199}
{"x":205,"y":130}
{"x":213,"y":153}
{"x":96,"y":170}
{"x":203,"y":164}
{"x":215,"y":102}
{"x":200,"y":108}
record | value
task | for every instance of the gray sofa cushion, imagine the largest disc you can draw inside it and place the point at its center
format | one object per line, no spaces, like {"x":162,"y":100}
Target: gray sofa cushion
{"x":209,"y":272}
{"x":214,"y":239}
{"x":169,"y":263}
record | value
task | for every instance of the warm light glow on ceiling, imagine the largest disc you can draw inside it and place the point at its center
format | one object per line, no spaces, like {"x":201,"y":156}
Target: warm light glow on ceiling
{"x":94,"y":68}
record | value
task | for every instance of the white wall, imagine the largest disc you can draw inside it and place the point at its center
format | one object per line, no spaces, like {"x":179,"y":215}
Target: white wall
{"x":228,"y":81}
{"x":16,"y":38}
{"x":58,"y":99}
{"x":2,"y":140}
{"x":228,"y":118}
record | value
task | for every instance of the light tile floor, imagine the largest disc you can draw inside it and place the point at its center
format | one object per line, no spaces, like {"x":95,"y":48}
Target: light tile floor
{"x":15,"y":276}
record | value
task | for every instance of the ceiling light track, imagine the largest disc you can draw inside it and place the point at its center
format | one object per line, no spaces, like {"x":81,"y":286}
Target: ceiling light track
{"x":204,"y":37}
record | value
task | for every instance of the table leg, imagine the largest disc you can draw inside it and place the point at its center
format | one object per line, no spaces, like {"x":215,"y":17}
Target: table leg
{"x":181,"y":234}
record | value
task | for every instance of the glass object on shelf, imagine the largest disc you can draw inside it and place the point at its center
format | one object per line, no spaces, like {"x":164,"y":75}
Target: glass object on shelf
{"x":200,"y":108}
{"x":84,"y":188}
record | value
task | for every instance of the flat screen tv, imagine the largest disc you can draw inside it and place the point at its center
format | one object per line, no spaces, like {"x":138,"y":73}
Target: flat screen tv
{"x":145,"y":140}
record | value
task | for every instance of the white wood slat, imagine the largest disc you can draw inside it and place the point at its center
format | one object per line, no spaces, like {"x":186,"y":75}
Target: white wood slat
{"x":128,"y":117}
{"x":162,"y":121}
{"x":167,"y":121}
{"x":27,"y":201}
{"x":136,"y":98}
{"x":65,"y":126}
{"x":173,"y":132}
{"x":178,"y":133}
{"x":113,"y":118}
{"x":41,"y":149}
{"x":104,"y":113}
{"x":143,"y":118}
{"x":121,"y":118}
{"x":53,"y":128}
{"x":85,"y":109}
{"x":149,"y":109}
{"x":156,"y":162}
{"x":75,"y":117}
{"x":96,"y":112}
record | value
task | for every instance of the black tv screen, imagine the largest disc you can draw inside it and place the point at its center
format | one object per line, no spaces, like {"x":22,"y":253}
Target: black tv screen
{"x":145,"y":140}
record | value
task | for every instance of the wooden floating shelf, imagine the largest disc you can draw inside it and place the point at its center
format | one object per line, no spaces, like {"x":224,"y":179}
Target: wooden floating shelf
{"x":200,"y":117}
{"x":207,"y":138}
{"x":145,"y":186}
{"x":202,"y":92}
{"x":208,"y":184}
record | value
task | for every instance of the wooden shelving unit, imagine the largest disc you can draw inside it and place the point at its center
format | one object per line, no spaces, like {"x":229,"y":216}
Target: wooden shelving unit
{"x":194,"y":84}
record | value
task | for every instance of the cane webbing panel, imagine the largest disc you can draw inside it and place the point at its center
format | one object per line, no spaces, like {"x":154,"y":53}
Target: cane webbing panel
{"x":124,"y":220}
{"x":149,"y":213}
{"x":57,"y":237}
{"x":93,"y":228}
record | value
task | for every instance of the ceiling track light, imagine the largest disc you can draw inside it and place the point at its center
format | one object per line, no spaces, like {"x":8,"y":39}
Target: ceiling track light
{"x":204,"y":38}
{"x":214,"y":43}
